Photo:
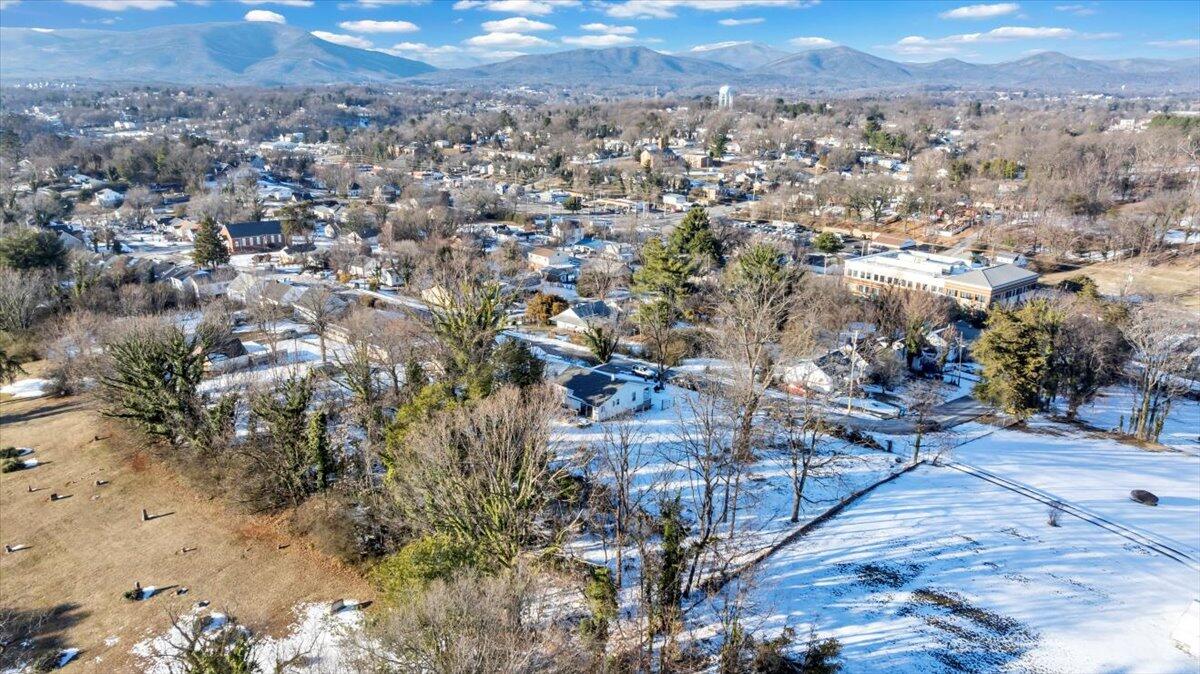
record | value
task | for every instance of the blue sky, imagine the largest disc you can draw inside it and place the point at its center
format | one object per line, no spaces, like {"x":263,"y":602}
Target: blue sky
{"x":464,"y":32}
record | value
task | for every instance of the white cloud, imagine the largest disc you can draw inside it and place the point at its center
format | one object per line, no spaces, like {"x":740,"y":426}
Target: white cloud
{"x":376,"y":4}
{"x":369,"y":26}
{"x":5,"y":4}
{"x":264,"y":16}
{"x":506,"y":41}
{"x":718,"y":45}
{"x":531,"y":7}
{"x":516,"y":24}
{"x":665,"y":9}
{"x":1190,"y":43}
{"x":1077,"y":10}
{"x":741,"y":22}
{"x":122,"y":5}
{"x":344,"y":40}
{"x":917,"y":45}
{"x":608,"y":28}
{"x":1019,"y":33}
{"x":493,"y":56}
{"x":283,"y":3}
{"x":811,"y":42}
{"x":982,"y":11}
{"x":42,"y":30}
{"x":599,"y":41}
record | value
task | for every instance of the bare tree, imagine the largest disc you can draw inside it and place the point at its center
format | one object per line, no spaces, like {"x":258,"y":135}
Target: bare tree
{"x":703,"y":451}
{"x":1164,"y":341}
{"x":319,"y":307}
{"x":621,"y":455}
{"x":21,"y":293}
{"x":472,"y":623}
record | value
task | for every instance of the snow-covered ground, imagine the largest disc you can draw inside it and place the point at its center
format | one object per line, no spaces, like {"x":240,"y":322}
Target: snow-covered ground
{"x":27,"y":388}
{"x":1115,"y":404}
{"x":323,"y":640}
{"x":940,"y":571}
{"x":764,"y":511}
{"x":1097,"y":473}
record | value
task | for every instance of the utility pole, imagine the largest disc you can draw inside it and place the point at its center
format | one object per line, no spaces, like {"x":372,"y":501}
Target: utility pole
{"x":853,"y":355}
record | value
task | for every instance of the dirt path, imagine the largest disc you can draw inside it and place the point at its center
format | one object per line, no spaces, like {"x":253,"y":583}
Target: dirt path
{"x":88,"y":549}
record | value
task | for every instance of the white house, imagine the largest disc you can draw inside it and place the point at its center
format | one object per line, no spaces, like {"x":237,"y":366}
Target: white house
{"x":599,"y":395}
{"x":109,"y":198}
{"x":582,"y":315}
{"x":540,"y":258}
{"x":676,"y":202}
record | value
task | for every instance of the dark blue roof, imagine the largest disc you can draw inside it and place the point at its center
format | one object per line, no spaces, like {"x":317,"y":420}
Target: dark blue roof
{"x":239,"y":230}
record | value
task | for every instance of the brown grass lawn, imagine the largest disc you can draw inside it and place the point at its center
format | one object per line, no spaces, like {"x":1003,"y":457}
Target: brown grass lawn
{"x":89,"y":548}
{"x":1178,"y":278}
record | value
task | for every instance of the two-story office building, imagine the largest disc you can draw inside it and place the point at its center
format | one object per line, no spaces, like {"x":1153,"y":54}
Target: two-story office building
{"x":971,"y":285}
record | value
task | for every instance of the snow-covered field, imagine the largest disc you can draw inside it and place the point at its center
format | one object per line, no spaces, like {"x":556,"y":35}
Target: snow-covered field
{"x":1097,"y":473}
{"x":940,"y":571}
{"x":662,"y":469}
{"x":1113,"y":406}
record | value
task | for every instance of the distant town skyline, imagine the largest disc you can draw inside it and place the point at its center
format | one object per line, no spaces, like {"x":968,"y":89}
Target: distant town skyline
{"x":468,"y":32}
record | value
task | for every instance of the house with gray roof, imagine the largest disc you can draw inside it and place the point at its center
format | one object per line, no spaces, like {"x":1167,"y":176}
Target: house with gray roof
{"x":599,"y":395}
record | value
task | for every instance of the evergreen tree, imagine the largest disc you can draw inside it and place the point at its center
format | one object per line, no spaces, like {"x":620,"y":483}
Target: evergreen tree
{"x":760,"y":265}
{"x":210,"y":250}
{"x":662,"y":272}
{"x":693,"y":238}
{"x":152,"y":382}
{"x":827,"y":242}
{"x":317,"y":439}
{"x":31,"y":248}
{"x":515,"y":364}
{"x":1016,"y":351}
{"x":671,"y":565}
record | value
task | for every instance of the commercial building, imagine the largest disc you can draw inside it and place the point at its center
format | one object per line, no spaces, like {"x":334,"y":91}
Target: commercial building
{"x":972,"y":285}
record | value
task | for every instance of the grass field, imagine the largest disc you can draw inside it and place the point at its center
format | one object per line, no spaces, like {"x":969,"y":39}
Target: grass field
{"x":86,"y":550}
{"x":1178,"y":278}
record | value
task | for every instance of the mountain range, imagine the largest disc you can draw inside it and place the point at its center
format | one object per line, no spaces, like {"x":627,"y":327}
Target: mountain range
{"x":249,"y":53}
{"x":269,"y":54}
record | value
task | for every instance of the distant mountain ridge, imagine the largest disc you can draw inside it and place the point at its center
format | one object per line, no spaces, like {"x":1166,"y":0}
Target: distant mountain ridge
{"x":279,"y":55}
{"x":249,"y":53}
{"x":631,"y":66}
{"x":741,"y":55}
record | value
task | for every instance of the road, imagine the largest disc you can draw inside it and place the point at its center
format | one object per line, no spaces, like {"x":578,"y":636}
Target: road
{"x":947,"y":415}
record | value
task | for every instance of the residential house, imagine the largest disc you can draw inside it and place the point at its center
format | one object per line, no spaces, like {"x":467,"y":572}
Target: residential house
{"x":242,"y":237}
{"x":204,"y":282}
{"x":540,"y":258}
{"x":306,"y":304}
{"x":560,"y":275}
{"x":566,"y":232}
{"x":367,"y":237}
{"x":582,"y":315}
{"x":676,"y":202}
{"x":109,"y":198}
{"x":599,"y":395}
{"x":245,"y":288}
{"x":836,"y":370}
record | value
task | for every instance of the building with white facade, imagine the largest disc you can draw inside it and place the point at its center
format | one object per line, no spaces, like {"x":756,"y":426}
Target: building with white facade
{"x":972,"y":285}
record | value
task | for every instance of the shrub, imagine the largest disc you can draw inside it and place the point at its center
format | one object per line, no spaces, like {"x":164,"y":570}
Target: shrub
{"x":601,"y":595}
{"x":542,"y":307}
{"x":405,"y":573}
{"x":12,"y":466}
